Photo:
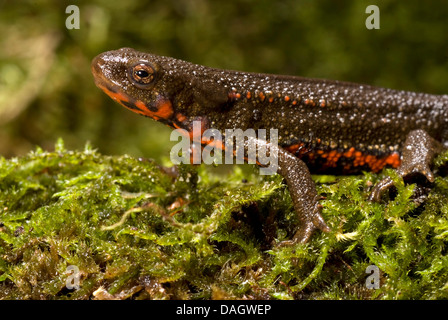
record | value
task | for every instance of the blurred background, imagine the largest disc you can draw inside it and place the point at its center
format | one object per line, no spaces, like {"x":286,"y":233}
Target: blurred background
{"x":47,"y":90}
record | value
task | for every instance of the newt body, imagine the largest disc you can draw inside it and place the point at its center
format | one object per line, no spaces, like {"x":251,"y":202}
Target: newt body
{"x":323,"y":126}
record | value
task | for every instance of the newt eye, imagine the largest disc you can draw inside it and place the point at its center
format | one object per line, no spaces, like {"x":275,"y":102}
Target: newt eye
{"x":141,"y":74}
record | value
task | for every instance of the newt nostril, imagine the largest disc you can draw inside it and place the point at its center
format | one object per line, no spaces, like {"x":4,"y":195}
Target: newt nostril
{"x":97,"y":64}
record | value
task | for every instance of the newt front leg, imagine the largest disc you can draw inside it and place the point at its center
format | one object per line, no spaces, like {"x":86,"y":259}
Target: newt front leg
{"x":303,"y":194}
{"x":301,"y":188}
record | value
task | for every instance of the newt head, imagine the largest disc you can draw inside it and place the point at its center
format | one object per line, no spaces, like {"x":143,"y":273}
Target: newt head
{"x":136,"y":81}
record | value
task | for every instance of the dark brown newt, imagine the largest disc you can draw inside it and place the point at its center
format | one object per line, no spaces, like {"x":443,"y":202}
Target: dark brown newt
{"x":323,"y":126}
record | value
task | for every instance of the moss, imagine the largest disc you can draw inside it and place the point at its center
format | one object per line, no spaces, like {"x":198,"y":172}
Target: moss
{"x":135,"y":231}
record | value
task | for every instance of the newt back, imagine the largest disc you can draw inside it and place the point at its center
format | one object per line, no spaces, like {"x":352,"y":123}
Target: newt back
{"x":334,"y":126}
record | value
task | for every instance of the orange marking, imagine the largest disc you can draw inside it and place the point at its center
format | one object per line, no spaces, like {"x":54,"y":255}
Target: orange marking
{"x":294,"y":102}
{"x":310,"y":102}
{"x":333,"y":157}
{"x":219,"y":144}
{"x":349,"y":153}
{"x":357,"y":158}
{"x":334,"y":154}
{"x":195,"y":135}
{"x":378,"y":165}
{"x":261,"y":96}
{"x":117,"y":96}
{"x":287,"y":98}
{"x":165,"y":109}
{"x":180,"y":117}
{"x":234,"y":95}
{"x":141,"y":105}
{"x":271,"y":99}
{"x":248,"y":95}
{"x":188,"y":135}
{"x":393,"y":160}
{"x":293,"y":148}
{"x":120,"y":96}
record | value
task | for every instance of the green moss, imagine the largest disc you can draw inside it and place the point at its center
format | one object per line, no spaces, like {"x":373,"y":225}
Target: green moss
{"x":134,"y":231}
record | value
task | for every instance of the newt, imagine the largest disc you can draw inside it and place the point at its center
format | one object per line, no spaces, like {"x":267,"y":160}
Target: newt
{"x":324,"y":126}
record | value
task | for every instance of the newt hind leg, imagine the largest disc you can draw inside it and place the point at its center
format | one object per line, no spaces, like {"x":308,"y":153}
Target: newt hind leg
{"x":418,"y":154}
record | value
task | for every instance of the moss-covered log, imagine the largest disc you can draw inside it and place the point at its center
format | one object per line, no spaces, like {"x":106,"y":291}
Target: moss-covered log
{"x":133,"y":230}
